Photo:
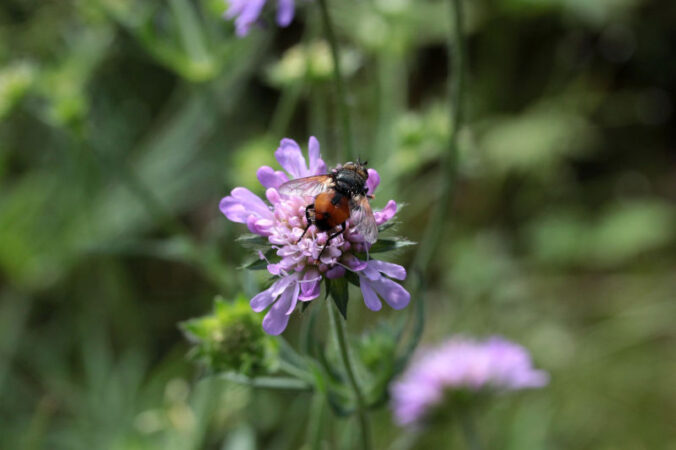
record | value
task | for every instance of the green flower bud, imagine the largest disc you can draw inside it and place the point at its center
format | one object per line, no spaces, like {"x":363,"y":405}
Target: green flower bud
{"x":310,"y":61}
{"x":231,"y":339}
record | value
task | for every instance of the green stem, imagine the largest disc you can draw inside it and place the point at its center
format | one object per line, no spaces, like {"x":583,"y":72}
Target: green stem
{"x":316,"y":421}
{"x":294,"y":371}
{"x":469,"y":432}
{"x":338,"y":79}
{"x":268,"y":382}
{"x":339,"y":333}
{"x":449,"y":160}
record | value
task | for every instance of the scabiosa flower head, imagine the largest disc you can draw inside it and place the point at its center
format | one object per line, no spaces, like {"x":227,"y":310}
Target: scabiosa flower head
{"x":461,"y":364}
{"x":301,"y":261}
{"x":247,"y":12}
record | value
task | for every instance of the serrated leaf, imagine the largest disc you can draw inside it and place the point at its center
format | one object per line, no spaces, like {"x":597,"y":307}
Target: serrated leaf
{"x":337,"y":289}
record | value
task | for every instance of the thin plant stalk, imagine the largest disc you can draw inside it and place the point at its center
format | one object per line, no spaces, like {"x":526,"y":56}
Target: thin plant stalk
{"x":449,"y":160}
{"x":343,"y":346}
{"x":338,"y":79}
{"x":469,"y":433}
{"x":316,"y":421}
{"x":268,"y":382}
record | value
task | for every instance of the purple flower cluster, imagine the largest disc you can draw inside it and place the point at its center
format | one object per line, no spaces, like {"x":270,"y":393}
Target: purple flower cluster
{"x":301,"y":269}
{"x":247,"y":12}
{"x":462,"y":364}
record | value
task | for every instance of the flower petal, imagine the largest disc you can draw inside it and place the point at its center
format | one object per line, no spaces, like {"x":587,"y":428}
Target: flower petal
{"x":262,"y":227}
{"x":284,"y":12}
{"x":291,"y":158}
{"x":275,"y":322}
{"x":393,"y":293}
{"x":354,"y":263}
{"x":235,"y":8}
{"x":271,"y":178}
{"x":283,"y":283}
{"x":273,"y":195}
{"x":294,"y":298}
{"x":385,"y":214}
{"x":276,"y":319}
{"x":390,"y":269}
{"x":247,"y":13}
{"x":262,"y":300}
{"x":317,"y":165}
{"x":242,"y":203}
{"x":371,"y":300}
{"x":310,"y":285}
{"x":335,"y":272}
{"x":373,"y":181}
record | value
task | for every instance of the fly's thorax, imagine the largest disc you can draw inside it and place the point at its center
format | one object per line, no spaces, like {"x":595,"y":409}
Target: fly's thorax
{"x":350,"y":182}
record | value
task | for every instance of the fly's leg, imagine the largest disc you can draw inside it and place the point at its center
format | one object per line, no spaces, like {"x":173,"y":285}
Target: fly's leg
{"x":309,"y":220}
{"x":342,"y":228}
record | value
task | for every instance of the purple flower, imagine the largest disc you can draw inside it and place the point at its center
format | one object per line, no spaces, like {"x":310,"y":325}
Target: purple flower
{"x":461,"y":364}
{"x":247,"y":12}
{"x":300,"y":268}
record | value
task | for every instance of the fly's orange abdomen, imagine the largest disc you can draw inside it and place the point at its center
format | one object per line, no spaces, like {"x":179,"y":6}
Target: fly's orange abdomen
{"x":328,"y":215}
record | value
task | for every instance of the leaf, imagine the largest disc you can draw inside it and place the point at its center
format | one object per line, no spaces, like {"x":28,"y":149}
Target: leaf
{"x":337,"y":289}
{"x":352,"y":278}
{"x":387,"y":225}
{"x":252,"y":241}
{"x":262,"y":264}
{"x":389,"y":244}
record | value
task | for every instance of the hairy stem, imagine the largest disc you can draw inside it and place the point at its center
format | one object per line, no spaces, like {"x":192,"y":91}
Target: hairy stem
{"x":338,"y":79}
{"x":343,"y":346}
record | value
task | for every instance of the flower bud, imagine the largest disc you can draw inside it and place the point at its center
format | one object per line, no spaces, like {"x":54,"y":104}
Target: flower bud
{"x":231,"y":339}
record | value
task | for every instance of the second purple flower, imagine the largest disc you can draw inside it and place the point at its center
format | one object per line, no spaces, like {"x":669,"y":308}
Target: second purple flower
{"x":247,"y":12}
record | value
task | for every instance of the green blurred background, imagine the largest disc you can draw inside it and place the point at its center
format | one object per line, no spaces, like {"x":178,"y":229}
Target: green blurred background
{"x":123,"y":123}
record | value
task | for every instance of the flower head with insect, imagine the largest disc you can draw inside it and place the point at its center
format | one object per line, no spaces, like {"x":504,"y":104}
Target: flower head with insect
{"x":318,"y":224}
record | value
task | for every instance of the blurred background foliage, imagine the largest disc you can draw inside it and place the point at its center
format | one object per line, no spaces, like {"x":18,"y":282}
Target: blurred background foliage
{"x":123,"y":122}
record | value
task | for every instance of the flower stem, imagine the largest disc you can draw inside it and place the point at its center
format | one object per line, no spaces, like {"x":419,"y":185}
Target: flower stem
{"x":469,"y":432}
{"x":338,"y":78}
{"x":339,"y":333}
{"x":316,"y":421}
{"x":449,"y":160}
{"x":268,"y":382}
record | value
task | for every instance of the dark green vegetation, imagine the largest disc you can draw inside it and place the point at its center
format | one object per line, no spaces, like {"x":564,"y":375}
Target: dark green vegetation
{"x":123,"y":123}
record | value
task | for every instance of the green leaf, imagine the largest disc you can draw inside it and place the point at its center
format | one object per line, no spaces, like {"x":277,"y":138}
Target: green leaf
{"x":352,"y":278}
{"x":252,"y":241}
{"x":262,"y":264}
{"x":387,"y":225}
{"x":389,"y":244}
{"x":337,"y":289}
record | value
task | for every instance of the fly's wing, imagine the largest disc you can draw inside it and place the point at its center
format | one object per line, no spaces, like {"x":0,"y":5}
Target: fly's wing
{"x":307,"y":187}
{"x":361,"y":217}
